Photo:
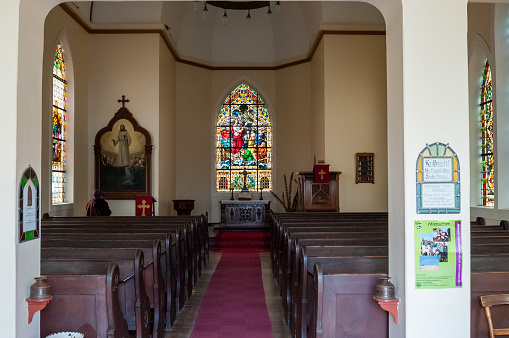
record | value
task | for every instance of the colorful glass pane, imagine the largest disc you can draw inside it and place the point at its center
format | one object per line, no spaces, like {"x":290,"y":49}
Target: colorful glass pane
{"x":58,"y":131}
{"x":243,"y":141}
{"x":487,"y":143}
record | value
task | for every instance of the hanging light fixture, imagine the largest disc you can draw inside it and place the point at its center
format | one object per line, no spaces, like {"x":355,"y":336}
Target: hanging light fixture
{"x":269,"y":15}
{"x":239,"y":6}
{"x":205,"y":11}
{"x":277,"y":7}
{"x":225,"y":18}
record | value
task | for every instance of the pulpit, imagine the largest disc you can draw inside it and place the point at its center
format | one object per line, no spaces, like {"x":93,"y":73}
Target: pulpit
{"x":317,"y":195}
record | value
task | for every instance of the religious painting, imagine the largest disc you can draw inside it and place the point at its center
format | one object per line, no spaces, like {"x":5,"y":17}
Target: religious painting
{"x":123,"y":152}
{"x":28,"y":206}
{"x":243,"y":142}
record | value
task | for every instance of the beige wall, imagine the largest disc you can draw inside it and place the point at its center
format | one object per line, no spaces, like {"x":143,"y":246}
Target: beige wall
{"x":59,"y":27}
{"x":294,"y":135}
{"x":480,"y":23}
{"x":125,"y":64}
{"x":356,"y":116}
{"x":318,"y":102}
{"x":167,"y":131}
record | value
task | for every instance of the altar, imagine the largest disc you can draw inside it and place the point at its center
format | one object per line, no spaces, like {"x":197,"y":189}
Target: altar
{"x":244,"y":213}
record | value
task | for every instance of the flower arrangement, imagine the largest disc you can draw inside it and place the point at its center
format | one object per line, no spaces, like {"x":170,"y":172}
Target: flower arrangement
{"x":287,"y":201}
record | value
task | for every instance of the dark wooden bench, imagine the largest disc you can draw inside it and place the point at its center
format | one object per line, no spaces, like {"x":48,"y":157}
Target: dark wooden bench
{"x":195,"y":255}
{"x":282,"y":244}
{"x":196,"y":225}
{"x":338,"y":267}
{"x":279,"y":231}
{"x":173,"y":242}
{"x":155,"y":275}
{"x":111,"y":243}
{"x":86,"y":300}
{"x":343,"y":304}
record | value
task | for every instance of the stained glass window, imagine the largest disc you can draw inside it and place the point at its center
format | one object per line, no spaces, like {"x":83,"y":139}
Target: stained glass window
{"x":243,"y":142}
{"x":487,"y":144}
{"x":58,"y":128}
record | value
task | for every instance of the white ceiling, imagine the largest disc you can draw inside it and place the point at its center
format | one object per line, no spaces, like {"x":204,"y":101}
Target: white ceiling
{"x":287,"y":37}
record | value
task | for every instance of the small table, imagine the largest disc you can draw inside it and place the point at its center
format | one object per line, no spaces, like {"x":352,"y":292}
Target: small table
{"x":183,"y":207}
{"x":244,"y":213}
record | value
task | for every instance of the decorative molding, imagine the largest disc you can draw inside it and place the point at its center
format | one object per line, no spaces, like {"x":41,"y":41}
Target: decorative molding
{"x":173,"y":50}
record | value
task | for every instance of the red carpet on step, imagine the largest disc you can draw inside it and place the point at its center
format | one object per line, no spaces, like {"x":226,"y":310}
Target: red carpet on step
{"x":234,"y":302}
{"x":226,"y":241}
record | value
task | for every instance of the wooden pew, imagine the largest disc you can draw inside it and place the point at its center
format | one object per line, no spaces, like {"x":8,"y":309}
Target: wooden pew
{"x":193,"y":255}
{"x":86,"y":301}
{"x":198,"y":225}
{"x":323,"y":251}
{"x":135,"y":305}
{"x":108,"y":244}
{"x":173,"y":242}
{"x":154,"y":271}
{"x":344,"y":305}
{"x":278,"y":234}
{"x":288,"y":258}
{"x":278,"y":246}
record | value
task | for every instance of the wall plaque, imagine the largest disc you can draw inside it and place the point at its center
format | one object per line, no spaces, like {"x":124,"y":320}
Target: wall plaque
{"x":438,"y":180}
{"x":365,"y":165}
{"x":28,"y":206}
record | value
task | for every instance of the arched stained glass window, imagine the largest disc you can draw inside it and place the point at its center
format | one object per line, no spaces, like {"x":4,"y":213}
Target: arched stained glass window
{"x":243,"y":142}
{"x":58,"y":128}
{"x":487,"y":144}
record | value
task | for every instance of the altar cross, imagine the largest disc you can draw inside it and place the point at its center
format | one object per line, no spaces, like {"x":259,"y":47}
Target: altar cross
{"x":321,"y":173}
{"x":123,"y":101}
{"x":143,"y":206}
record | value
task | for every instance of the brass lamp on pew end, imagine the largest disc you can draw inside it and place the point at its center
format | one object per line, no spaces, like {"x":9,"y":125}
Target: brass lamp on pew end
{"x":39,"y":297}
{"x":386,"y":298}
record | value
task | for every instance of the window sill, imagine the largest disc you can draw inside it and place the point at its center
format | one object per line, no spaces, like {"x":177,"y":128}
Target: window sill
{"x":62,"y":206}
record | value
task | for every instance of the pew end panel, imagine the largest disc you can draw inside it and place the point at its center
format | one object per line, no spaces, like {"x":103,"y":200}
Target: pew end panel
{"x":85,"y":303}
{"x":344,"y":307}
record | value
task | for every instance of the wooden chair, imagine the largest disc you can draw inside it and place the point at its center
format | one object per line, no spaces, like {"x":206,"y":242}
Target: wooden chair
{"x":488,"y":301}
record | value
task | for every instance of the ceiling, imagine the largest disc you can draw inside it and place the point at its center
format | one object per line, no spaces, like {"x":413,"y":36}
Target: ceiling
{"x":287,"y":37}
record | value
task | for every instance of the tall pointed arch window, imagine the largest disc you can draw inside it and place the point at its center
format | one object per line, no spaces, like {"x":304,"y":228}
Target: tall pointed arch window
{"x":243,"y":142}
{"x":59,"y":128}
{"x":487,"y":144}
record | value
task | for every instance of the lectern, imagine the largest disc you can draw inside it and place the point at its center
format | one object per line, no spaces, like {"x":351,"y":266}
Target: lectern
{"x":317,"y":196}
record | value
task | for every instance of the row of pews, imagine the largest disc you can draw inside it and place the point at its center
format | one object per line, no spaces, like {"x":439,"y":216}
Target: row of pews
{"x":118,"y":276}
{"x":328,"y":264}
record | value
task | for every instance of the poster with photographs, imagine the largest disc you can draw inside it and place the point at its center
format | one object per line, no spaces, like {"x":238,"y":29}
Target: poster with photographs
{"x":438,"y":254}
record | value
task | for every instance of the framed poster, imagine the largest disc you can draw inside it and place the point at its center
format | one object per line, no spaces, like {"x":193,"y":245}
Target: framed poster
{"x":28,"y":206}
{"x":438,"y":254}
{"x":123,"y":154}
{"x":438,"y":180}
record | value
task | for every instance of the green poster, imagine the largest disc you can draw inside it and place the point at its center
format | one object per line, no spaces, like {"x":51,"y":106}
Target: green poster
{"x":438,"y":254}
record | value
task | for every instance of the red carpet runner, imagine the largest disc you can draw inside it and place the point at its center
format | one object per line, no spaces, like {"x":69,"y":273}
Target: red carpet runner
{"x":234,"y":303}
{"x":242,"y":241}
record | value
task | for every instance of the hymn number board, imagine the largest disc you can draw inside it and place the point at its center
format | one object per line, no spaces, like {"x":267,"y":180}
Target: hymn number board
{"x":365,"y":172}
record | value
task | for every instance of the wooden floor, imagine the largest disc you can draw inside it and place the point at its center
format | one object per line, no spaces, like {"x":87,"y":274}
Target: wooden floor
{"x":186,"y":318}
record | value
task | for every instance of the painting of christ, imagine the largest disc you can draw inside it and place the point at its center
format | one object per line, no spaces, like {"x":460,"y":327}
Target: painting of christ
{"x":123,"y":151}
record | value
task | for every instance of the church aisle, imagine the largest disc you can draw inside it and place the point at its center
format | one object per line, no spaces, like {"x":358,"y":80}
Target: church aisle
{"x":185,"y":323}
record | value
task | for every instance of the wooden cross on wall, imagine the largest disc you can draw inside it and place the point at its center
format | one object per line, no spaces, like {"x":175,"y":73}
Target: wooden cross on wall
{"x":123,"y":101}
